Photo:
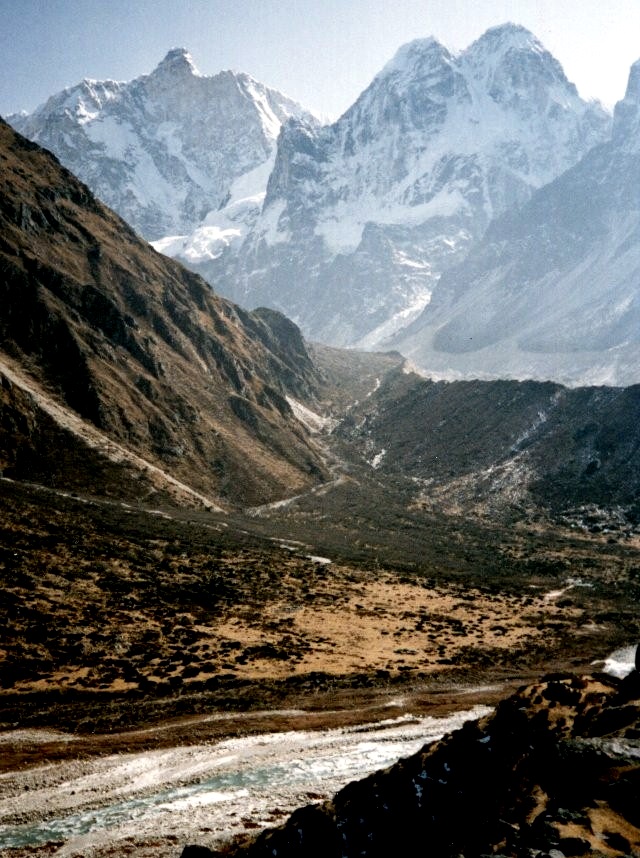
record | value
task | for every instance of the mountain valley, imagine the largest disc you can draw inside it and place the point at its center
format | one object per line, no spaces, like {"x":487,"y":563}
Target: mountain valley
{"x":216,"y":527}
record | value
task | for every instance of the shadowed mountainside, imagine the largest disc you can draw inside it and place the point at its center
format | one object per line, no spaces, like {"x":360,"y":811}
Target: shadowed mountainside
{"x":508,"y":444}
{"x":98,"y":330}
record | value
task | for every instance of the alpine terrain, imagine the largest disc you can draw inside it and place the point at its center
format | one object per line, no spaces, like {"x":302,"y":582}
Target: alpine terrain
{"x":551,"y":291}
{"x":361,"y":217}
{"x":165,"y":149}
{"x":115,"y":348}
{"x":346,"y":228}
{"x":240,"y":569}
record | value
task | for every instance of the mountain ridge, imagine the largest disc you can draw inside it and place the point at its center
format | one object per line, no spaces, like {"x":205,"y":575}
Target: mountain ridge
{"x":141,"y":348}
{"x":366,"y":213}
{"x":347,"y":228}
{"x":550,"y":291}
{"x":164,"y":148}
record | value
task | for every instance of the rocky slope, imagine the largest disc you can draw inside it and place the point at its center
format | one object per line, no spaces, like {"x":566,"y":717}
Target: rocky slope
{"x":361,"y":217}
{"x":111,"y":350}
{"x":551,"y":291}
{"x":165,"y":149}
{"x":555,"y":768}
{"x":503,"y":446}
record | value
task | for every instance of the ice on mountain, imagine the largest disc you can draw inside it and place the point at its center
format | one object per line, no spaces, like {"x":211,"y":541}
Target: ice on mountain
{"x":164,"y":149}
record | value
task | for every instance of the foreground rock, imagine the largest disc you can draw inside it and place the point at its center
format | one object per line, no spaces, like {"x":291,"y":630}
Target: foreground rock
{"x":557,"y":767}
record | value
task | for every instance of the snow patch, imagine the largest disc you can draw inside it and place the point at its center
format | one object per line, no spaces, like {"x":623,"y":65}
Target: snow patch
{"x":313,"y":421}
{"x":342,"y":226}
{"x":268,"y":227}
{"x":396,"y":322}
{"x":621,"y":662}
{"x":377,"y":459}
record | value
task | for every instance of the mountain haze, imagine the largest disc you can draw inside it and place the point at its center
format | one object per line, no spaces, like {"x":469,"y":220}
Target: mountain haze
{"x":552,"y":289}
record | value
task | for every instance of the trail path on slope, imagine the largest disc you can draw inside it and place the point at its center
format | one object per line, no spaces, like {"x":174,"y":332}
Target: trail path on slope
{"x":318,"y":425}
{"x":97,"y":440}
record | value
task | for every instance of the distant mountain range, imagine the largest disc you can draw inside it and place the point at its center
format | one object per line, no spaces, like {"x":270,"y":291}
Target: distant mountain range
{"x":469,"y":210}
{"x":361,"y":217}
{"x":163,"y":149}
{"x":553,"y":289}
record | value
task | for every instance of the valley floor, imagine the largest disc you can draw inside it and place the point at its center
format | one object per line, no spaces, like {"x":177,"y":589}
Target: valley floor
{"x":132,"y":635}
{"x":205,"y":779}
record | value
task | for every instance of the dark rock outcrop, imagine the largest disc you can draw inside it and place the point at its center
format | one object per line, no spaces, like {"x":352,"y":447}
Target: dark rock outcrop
{"x":556,"y":767}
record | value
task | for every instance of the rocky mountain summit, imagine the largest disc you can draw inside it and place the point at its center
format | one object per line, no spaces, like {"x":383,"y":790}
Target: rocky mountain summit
{"x":361,"y":217}
{"x":551,"y":290}
{"x":554,"y":771}
{"x":114,"y":354}
{"x":163,"y":150}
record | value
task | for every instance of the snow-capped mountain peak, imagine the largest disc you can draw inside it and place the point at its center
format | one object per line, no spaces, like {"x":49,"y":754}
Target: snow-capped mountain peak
{"x":505,"y":37}
{"x":551,"y":290}
{"x":164,"y":149}
{"x":361,"y":217}
{"x":178,"y":61}
{"x":513,"y":67}
{"x":81,"y":103}
{"x":415,"y":59}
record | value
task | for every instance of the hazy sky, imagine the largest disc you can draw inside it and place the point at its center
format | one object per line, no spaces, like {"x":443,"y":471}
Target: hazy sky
{"x":321,"y":52}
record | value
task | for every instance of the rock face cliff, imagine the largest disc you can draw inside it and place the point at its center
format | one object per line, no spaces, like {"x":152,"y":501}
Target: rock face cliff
{"x":555,"y":771}
{"x":132,"y":354}
{"x":163,"y":150}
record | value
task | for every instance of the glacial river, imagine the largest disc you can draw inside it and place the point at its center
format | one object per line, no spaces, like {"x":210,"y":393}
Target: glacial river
{"x":201,"y":793}
{"x":206,"y":793}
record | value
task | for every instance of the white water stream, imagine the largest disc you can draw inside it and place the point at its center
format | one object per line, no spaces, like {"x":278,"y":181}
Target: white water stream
{"x":202,"y":793}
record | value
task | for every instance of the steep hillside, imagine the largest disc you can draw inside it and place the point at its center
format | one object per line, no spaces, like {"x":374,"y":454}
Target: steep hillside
{"x":134,"y":355}
{"x":502,"y":446}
